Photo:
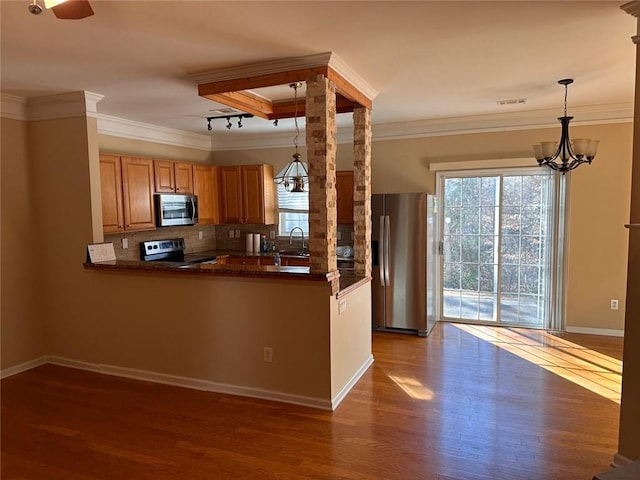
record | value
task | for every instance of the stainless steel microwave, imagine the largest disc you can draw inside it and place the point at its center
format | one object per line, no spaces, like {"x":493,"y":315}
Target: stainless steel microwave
{"x":175,"y":209}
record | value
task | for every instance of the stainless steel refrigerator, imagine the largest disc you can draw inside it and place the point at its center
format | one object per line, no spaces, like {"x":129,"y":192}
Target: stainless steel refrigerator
{"x":403,"y":259}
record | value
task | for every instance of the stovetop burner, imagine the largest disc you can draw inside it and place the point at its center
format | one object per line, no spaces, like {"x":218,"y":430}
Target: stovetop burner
{"x":172,"y":250}
{"x":165,"y":250}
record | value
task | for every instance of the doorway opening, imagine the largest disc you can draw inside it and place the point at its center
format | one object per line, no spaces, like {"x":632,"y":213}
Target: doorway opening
{"x":499,"y":262}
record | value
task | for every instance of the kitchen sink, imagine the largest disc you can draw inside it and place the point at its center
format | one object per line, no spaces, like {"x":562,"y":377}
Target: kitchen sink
{"x":293,"y":253}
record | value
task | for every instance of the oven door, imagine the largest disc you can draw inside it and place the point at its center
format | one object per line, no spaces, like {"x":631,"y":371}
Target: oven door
{"x":176,"y":209}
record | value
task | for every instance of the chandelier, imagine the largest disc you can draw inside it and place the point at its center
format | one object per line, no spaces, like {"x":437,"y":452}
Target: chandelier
{"x":567,"y":154}
{"x":295,"y":175}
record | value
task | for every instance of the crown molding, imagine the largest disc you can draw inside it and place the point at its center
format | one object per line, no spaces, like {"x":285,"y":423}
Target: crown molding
{"x":497,"y":122}
{"x":120,"y":127}
{"x":63,"y":105}
{"x":13,"y":107}
{"x":50,"y":107}
{"x":283,"y":65}
{"x":632,"y":8}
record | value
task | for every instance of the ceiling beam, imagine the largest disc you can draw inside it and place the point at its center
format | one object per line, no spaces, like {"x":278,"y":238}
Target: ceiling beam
{"x":233,"y":90}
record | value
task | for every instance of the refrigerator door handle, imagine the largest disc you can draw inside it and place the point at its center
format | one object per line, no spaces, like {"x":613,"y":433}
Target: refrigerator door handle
{"x":387,"y":241}
{"x":381,"y":257}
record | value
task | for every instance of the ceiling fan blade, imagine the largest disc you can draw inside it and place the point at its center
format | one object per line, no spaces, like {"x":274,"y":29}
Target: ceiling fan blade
{"x":73,"y":10}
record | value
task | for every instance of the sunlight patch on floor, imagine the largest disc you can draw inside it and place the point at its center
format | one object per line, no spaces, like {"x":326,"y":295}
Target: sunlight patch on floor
{"x":413,"y":387}
{"x":592,"y":370}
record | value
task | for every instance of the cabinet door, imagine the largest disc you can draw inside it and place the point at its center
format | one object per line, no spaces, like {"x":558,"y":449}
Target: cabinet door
{"x":258,"y":194}
{"x":137,"y":193}
{"x":111,"y":192}
{"x":183,"y":173}
{"x":243,"y":260}
{"x":205,"y":186}
{"x":296,"y":262}
{"x":165,"y":180}
{"x":344,"y":201}
{"x":231,"y":194}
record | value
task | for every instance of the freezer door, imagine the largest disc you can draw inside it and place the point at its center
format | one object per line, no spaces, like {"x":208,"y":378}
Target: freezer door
{"x":406,"y":291}
{"x":377,"y":257}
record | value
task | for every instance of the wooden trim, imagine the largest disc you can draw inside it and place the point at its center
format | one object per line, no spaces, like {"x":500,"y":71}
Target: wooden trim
{"x":259,"y":81}
{"x":347,"y":89}
{"x":195,"y":383}
{"x":244,"y":101}
{"x":23,"y":367}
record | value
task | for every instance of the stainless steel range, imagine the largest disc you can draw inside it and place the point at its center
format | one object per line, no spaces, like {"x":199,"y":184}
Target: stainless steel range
{"x":171,"y":251}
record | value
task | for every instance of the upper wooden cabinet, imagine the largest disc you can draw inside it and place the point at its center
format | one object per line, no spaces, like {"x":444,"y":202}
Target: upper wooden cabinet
{"x":137,"y":193}
{"x":173,"y":177}
{"x":247,"y":194}
{"x":344,"y":200}
{"x":111,"y":189}
{"x":205,"y":186}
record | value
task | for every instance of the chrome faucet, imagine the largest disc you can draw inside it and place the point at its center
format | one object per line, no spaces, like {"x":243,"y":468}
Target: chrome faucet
{"x":301,"y":237}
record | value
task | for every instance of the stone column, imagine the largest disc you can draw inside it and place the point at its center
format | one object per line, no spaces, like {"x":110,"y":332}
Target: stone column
{"x":362,"y":190}
{"x":321,"y":133}
{"x":629,"y":435}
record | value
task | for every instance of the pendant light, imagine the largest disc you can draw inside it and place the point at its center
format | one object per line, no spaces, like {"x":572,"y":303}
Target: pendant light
{"x":566,"y":155}
{"x":295,"y":175}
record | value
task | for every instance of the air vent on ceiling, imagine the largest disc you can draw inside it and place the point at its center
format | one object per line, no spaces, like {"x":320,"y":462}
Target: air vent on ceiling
{"x":513,"y":101}
{"x":225,"y":111}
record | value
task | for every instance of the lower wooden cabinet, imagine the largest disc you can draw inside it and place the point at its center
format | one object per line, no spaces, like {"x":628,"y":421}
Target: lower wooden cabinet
{"x":264,"y":261}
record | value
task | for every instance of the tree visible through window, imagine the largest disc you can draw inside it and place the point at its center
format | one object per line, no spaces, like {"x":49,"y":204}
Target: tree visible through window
{"x":293,"y":211}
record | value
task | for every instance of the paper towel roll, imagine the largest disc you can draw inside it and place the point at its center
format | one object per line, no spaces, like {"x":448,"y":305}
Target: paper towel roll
{"x":256,"y":242}
{"x":249,"y":242}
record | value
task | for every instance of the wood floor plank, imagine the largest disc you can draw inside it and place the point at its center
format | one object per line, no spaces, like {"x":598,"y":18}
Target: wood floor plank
{"x":472,"y":403}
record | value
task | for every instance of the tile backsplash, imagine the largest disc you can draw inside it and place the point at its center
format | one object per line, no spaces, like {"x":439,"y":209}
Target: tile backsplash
{"x":214,"y":237}
{"x":191,"y":236}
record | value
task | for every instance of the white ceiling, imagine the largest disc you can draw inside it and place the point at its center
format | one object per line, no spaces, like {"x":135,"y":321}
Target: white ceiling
{"x":439,"y":63}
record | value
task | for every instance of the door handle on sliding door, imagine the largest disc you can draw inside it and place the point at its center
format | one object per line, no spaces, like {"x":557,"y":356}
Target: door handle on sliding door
{"x":387,"y":248}
{"x":381,"y":259}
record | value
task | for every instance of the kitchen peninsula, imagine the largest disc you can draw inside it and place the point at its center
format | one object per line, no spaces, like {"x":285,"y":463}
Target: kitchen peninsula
{"x":263,"y":331}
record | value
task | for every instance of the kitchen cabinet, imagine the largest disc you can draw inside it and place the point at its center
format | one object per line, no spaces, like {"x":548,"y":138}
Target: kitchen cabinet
{"x":247,"y":194}
{"x":344,"y":197}
{"x":231,"y":260}
{"x":173,"y":177}
{"x":137,"y":193}
{"x":295,"y":261}
{"x":111,"y":191}
{"x":205,"y":186}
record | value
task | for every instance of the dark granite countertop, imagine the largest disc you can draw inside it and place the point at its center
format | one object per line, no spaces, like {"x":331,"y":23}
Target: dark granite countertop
{"x":347,"y":279}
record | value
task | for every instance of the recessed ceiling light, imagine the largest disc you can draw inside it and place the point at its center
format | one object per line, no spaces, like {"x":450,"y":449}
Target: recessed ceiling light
{"x":513,"y":101}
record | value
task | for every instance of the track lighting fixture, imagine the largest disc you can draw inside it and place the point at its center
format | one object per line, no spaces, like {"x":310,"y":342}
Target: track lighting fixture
{"x":228,"y":118}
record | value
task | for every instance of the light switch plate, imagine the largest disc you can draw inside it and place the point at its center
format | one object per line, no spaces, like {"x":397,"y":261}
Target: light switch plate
{"x":125,"y":243}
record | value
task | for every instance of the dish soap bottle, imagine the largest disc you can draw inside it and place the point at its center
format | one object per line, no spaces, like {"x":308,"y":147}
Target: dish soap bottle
{"x":264,"y":246}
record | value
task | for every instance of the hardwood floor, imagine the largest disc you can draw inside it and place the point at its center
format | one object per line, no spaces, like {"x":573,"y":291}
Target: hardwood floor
{"x":453,"y":406}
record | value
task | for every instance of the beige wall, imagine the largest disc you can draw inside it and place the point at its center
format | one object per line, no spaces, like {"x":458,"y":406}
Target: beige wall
{"x":126,"y":146}
{"x":22,"y":326}
{"x":350,"y":337}
{"x":599,"y":200}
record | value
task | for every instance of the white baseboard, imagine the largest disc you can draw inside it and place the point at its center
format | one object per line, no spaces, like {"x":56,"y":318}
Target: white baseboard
{"x":23,"y":367}
{"x":335,"y":401}
{"x":619,"y":460}
{"x":607,"y":332}
{"x":194,"y":383}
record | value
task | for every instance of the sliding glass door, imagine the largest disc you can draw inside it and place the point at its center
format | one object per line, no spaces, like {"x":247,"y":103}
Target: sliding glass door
{"x":497,"y":247}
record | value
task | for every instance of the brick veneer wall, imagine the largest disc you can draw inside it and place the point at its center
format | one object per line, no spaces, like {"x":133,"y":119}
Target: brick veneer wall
{"x":321,"y":133}
{"x":362,"y":190}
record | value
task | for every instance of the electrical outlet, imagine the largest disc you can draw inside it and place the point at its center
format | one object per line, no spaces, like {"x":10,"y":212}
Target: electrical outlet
{"x":125,"y":243}
{"x":230,"y":233}
{"x":342,"y":306}
{"x":200,"y":236}
{"x":268,"y":354}
{"x":339,"y":235}
{"x":614,"y":304}
{"x":237,"y":233}
{"x":272,"y":235}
